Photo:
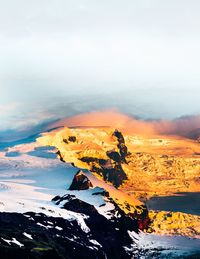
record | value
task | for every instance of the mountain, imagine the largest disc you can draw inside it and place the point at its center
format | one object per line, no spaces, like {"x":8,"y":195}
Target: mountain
{"x":148,"y":165}
{"x":140,"y":167}
{"x":103,"y":196}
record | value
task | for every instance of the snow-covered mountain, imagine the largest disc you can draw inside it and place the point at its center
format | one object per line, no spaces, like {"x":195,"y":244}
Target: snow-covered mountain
{"x":51,"y":209}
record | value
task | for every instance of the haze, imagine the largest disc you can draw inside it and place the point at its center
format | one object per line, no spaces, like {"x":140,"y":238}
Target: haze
{"x":60,"y":58}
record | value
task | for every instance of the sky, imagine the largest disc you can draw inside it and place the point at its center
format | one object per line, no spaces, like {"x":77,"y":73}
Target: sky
{"x":59,"y":58}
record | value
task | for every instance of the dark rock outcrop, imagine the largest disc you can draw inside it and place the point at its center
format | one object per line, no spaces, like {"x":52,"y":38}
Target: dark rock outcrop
{"x":48,"y":238}
{"x":111,"y":169}
{"x":60,"y":156}
{"x":68,"y":197}
{"x":139,"y":218}
{"x":111,"y":234}
{"x":102,"y":193}
{"x":115,"y":174}
{"x":119,"y":136}
{"x":69,"y":139}
{"x":58,"y":238}
{"x":140,"y":214}
{"x":80,"y":182}
{"x":115,"y":156}
{"x":72,"y":138}
{"x":44,"y":237}
{"x":123,"y":150}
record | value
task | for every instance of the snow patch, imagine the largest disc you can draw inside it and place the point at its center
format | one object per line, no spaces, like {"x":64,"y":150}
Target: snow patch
{"x":27,"y":235}
{"x":13,"y":240}
{"x":93,"y":241}
{"x":59,"y":228}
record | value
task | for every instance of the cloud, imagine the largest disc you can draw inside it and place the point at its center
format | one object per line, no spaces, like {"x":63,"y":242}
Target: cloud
{"x":107,"y":118}
{"x":186,"y":126}
{"x":5,"y":108}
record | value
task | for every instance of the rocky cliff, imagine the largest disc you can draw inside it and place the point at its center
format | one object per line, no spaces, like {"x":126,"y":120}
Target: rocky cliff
{"x":145,"y":166}
{"x":141,"y":167}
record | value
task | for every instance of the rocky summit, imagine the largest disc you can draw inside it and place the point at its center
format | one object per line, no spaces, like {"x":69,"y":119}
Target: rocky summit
{"x":80,"y":182}
{"x":140,"y":166}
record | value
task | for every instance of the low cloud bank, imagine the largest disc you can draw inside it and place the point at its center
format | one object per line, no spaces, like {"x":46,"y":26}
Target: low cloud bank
{"x":186,"y":126}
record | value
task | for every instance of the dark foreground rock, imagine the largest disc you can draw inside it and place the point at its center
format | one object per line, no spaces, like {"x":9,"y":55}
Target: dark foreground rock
{"x":37,"y":236}
{"x":48,"y":238}
{"x":123,"y":150}
{"x":111,"y":229}
{"x":80,"y":182}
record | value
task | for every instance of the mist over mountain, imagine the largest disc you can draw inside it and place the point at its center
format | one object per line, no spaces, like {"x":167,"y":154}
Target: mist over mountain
{"x":59,"y":59}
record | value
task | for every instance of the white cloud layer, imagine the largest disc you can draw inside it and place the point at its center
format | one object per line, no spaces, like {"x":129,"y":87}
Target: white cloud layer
{"x":145,"y":54}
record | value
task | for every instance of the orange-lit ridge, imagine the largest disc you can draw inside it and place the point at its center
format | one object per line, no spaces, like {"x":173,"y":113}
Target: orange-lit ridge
{"x":157,"y":163}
